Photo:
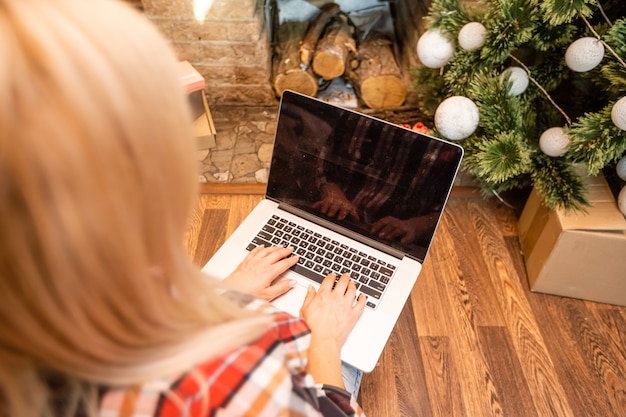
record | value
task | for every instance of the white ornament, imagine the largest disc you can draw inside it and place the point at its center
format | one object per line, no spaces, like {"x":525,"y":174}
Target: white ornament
{"x":518,"y":78}
{"x":434,"y":50}
{"x":620,"y":168}
{"x":472,"y":36}
{"x":456,"y":117}
{"x":621,"y":200}
{"x":554,"y":142}
{"x":618,"y":113}
{"x":584,"y":54}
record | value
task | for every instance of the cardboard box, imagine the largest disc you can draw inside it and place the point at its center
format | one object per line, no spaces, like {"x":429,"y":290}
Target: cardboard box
{"x":576,"y":254}
{"x":194,"y":83}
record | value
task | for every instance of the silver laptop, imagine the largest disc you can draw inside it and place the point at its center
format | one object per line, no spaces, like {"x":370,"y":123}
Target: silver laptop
{"x":351,"y":193}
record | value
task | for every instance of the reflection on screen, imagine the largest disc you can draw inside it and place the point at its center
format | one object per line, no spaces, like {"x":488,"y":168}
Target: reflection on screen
{"x":382,"y":181}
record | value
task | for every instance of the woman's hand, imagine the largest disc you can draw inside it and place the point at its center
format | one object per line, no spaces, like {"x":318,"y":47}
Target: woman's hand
{"x":257,"y":273}
{"x":331,"y":314}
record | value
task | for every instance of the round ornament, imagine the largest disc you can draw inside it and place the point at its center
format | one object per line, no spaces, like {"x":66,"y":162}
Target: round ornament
{"x":554,"y":142}
{"x":472,"y":36}
{"x":618,"y":113}
{"x":584,"y":54}
{"x":518,"y":78}
{"x":621,"y":200}
{"x":456,"y":117}
{"x":620,"y":168}
{"x":434,"y":50}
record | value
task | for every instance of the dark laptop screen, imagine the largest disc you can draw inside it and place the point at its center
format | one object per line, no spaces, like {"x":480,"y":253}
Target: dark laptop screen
{"x":374,"y":178}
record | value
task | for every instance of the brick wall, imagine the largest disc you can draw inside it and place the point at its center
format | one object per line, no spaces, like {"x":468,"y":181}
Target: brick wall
{"x":230,"y":48}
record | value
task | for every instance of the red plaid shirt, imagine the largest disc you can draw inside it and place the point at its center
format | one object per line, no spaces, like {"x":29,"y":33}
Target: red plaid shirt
{"x":264,"y":378}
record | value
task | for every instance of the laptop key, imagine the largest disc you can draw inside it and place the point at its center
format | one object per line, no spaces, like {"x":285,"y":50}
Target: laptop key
{"x":377,"y":285}
{"x":257,"y":241}
{"x":386,"y":271}
{"x":370,"y":291}
{"x":308,"y":273}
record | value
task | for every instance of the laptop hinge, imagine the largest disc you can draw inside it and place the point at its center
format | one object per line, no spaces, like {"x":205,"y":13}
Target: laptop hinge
{"x":342,"y":230}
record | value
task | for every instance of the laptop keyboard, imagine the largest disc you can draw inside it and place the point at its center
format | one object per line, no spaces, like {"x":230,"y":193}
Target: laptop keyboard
{"x":320,"y":255}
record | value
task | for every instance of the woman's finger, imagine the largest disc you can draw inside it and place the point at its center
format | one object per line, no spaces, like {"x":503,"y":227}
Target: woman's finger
{"x":351,"y":290}
{"x":329,"y":282}
{"x":279,"y":252}
{"x":279,"y":288}
{"x":342,"y":284}
{"x":359,"y":306}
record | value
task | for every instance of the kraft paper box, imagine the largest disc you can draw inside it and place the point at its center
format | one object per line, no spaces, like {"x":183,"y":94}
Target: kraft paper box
{"x":194,"y":83}
{"x":575,"y":254}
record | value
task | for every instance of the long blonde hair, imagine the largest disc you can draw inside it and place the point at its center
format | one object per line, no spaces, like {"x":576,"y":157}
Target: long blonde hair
{"x":97,"y":179}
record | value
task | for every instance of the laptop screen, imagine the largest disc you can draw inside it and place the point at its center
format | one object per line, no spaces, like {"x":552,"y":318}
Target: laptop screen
{"x":381,"y":181}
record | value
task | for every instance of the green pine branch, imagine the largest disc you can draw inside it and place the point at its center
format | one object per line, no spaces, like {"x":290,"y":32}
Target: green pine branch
{"x":550,"y":38}
{"x":557,"y":12}
{"x":560,"y":186}
{"x":430,"y":86}
{"x":616,"y":36}
{"x":462,"y":71}
{"x":596,"y":141}
{"x":498,"y":159}
{"x":510,"y":26}
{"x":446,"y":15}
{"x":499,"y":112}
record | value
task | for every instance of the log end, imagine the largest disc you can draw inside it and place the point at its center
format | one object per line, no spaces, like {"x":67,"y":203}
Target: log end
{"x":382,"y":92}
{"x":298,"y":81}
{"x":328,"y":65}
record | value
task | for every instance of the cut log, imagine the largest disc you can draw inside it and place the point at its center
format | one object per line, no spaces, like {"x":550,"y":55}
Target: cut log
{"x":334,"y":49}
{"x":315,"y":30}
{"x":288,"y":71}
{"x":378,"y":79}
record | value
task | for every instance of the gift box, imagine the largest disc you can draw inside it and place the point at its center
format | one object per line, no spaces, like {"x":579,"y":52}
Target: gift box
{"x":193,"y":82}
{"x":575,"y":254}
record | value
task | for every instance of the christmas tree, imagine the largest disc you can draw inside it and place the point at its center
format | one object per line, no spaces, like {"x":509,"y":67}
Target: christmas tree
{"x":532,"y":89}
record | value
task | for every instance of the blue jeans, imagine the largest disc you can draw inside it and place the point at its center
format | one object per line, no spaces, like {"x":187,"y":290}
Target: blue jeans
{"x":351,"y":378}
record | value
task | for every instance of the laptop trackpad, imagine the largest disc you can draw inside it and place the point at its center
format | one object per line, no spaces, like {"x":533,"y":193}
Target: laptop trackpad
{"x":292,"y":300}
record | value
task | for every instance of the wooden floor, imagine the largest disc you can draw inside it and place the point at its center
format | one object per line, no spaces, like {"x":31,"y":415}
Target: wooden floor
{"x":473,"y":340}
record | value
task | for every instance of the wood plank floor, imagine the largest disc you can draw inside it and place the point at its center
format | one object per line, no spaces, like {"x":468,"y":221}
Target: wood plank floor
{"x":472,"y":340}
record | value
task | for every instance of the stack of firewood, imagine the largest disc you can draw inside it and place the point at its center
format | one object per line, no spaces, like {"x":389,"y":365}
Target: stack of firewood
{"x":330,"y":46}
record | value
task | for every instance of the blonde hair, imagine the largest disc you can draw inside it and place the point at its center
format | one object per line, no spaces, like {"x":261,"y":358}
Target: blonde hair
{"x":97,"y":179}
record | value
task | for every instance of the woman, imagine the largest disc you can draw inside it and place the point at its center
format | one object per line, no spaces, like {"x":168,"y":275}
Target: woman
{"x":101,"y":309}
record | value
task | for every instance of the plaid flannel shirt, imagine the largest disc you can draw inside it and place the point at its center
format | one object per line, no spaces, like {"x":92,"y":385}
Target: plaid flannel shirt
{"x":264,"y":378}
